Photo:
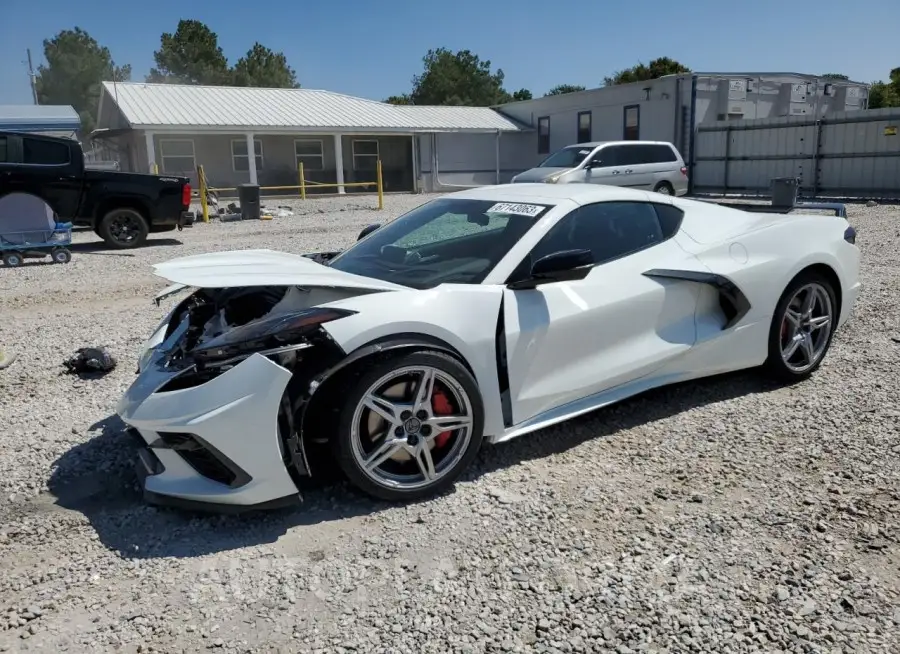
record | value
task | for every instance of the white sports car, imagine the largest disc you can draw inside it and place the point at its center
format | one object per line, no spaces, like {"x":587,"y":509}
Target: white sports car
{"x":479,"y":316}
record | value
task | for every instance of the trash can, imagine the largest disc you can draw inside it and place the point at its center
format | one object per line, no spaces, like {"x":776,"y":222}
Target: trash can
{"x":248,"y":197}
{"x":784,"y":191}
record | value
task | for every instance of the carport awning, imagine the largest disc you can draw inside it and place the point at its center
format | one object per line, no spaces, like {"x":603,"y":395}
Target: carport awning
{"x":39,"y":118}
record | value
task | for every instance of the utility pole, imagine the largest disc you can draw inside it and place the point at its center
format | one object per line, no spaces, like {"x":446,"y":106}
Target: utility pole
{"x":31,"y":77}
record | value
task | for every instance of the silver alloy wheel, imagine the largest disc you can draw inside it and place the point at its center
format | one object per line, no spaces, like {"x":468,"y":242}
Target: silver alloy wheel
{"x":806,"y":327}
{"x":664,"y":190}
{"x":405,"y":428}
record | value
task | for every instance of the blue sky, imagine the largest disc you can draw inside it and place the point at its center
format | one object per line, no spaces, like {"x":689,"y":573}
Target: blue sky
{"x":373,"y":48}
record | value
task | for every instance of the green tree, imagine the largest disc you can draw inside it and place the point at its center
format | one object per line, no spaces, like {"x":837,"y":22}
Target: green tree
{"x":885,"y":94}
{"x":836,"y":77}
{"x":190,"y":56}
{"x":399,"y":99}
{"x":522,"y":94}
{"x":263,"y":68}
{"x":565,"y":88}
{"x":641,"y":73}
{"x":76,"y":66}
{"x":459,"y":78}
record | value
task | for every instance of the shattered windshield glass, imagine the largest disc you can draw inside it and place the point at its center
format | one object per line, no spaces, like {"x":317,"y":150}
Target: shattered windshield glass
{"x":445,"y":241}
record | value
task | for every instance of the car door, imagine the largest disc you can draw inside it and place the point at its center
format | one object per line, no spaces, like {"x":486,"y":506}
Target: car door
{"x":566,"y":341}
{"x":603,"y":168}
{"x":637,"y":171}
{"x":47,"y":168}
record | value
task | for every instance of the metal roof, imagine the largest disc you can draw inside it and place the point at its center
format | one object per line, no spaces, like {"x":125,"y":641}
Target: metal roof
{"x":219,"y":108}
{"x":38,"y":118}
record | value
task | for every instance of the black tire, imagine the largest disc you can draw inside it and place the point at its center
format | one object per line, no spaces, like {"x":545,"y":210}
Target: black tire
{"x":664,"y":188}
{"x":775,"y":365}
{"x":123,"y":229}
{"x":13,"y":259}
{"x":353,"y":396}
{"x":60,"y":255}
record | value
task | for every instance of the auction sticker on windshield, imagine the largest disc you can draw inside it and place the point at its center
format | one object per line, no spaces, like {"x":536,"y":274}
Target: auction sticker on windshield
{"x":515,"y":209}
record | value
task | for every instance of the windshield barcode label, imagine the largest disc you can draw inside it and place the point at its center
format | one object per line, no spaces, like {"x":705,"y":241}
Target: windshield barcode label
{"x":511,"y":208}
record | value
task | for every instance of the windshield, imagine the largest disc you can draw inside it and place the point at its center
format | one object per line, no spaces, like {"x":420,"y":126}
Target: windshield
{"x":566,"y":158}
{"x":445,"y":241}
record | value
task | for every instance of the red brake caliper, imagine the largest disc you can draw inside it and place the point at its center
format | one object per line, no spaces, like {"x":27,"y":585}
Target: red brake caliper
{"x":442,"y":407}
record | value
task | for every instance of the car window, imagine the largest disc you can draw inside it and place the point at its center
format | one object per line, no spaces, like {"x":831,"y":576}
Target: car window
{"x":4,"y":150}
{"x":630,"y":155}
{"x":609,"y":230}
{"x":448,"y":240}
{"x":608,"y":156}
{"x":662,"y":154}
{"x":45,"y":153}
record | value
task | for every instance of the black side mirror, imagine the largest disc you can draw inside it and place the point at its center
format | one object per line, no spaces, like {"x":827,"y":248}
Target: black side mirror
{"x":368,"y":229}
{"x":593,"y":163}
{"x":562,"y":266}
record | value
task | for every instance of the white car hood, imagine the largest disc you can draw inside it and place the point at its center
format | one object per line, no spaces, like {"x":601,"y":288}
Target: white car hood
{"x":261,"y":268}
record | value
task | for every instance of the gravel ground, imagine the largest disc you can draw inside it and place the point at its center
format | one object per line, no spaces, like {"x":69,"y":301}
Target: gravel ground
{"x":719,"y":516}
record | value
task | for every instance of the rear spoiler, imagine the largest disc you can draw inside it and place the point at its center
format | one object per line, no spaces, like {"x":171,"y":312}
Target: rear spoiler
{"x":838,"y":208}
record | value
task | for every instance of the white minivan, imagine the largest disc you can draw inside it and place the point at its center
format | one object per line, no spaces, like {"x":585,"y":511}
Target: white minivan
{"x":650,"y":165}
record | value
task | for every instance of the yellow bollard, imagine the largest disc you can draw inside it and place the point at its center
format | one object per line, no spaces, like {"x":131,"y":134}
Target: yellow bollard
{"x":302,"y":181}
{"x":155,"y":170}
{"x":379,"y":184}
{"x":201,"y":178}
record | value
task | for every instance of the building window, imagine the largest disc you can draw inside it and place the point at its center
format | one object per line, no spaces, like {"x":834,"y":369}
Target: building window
{"x":365,"y":155}
{"x":632,"y":120}
{"x":584,"y":127}
{"x":544,"y":135}
{"x":310,"y":152}
{"x":177,"y":156}
{"x":239,"y":160}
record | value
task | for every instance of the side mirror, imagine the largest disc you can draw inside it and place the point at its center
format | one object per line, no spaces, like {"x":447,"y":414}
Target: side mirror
{"x":593,"y":163}
{"x":562,"y":266}
{"x":368,"y":229}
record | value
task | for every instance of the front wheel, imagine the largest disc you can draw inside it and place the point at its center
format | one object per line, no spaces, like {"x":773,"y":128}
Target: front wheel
{"x":12,"y":259}
{"x":802,"y":328}
{"x":410,"y":426}
{"x":123,"y":228}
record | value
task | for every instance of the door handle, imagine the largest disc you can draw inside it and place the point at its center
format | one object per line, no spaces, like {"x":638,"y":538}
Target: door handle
{"x":628,"y":171}
{"x":616,"y":172}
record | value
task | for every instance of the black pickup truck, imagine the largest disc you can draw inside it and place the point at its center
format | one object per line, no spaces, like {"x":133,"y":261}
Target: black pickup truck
{"x":122,"y":208}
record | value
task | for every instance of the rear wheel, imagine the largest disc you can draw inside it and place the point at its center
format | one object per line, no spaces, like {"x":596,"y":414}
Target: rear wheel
{"x":410,"y":425}
{"x":802,"y":328}
{"x":123,"y":228}
{"x":12,"y":259}
{"x":664,"y":188}
{"x":60,"y":255}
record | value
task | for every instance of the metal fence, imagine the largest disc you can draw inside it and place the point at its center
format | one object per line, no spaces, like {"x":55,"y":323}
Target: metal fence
{"x":842,"y":155}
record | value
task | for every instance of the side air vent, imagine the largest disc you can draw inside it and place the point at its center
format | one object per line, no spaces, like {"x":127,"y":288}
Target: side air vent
{"x":203,"y":458}
{"x":732,"y":301}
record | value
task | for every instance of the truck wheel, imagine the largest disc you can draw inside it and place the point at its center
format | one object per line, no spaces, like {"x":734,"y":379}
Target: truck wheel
{"x":123,"y":228}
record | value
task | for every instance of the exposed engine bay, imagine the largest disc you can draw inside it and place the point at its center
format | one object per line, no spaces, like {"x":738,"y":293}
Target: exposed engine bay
{"x":214,"y":326}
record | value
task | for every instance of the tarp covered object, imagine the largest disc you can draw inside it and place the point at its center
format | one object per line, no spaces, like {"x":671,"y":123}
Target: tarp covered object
{"x":21,"y":213}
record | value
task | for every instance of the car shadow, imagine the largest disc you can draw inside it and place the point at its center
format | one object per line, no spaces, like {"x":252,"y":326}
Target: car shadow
{"x":97,"y":478}
{"x":101,"y":248}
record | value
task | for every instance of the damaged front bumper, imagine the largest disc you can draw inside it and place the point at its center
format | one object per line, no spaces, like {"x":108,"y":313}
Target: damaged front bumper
{"x":213,"y":444}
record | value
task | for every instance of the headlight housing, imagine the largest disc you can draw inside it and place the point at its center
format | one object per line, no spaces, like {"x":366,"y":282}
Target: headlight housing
{"x":553,"y":179}
{"x":267,"y":333}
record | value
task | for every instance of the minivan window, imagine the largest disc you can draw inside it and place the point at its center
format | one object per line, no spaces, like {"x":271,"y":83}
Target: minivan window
{"x":44,"y":153}
{"x":4,"y":150}
{"x":566,"y":158}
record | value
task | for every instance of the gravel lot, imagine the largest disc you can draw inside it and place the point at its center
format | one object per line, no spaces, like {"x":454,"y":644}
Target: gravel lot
{"x":721,"y":516}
